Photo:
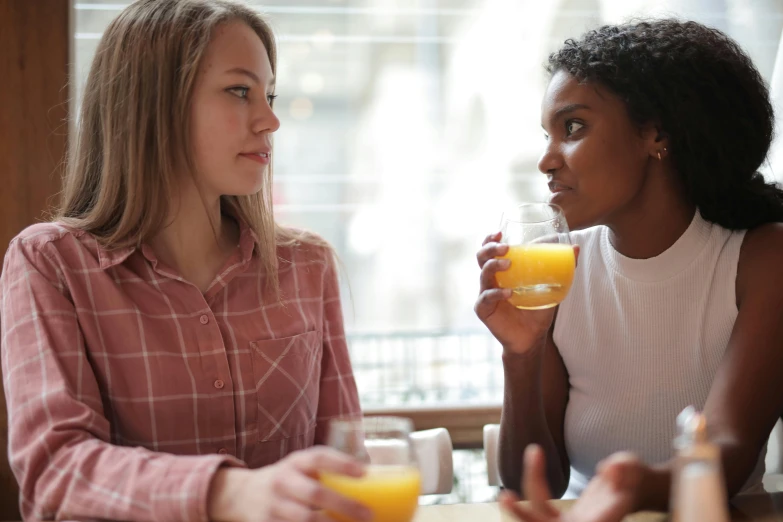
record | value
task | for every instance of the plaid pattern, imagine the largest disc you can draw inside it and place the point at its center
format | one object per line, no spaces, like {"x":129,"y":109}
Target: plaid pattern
{"x":127,"y":387}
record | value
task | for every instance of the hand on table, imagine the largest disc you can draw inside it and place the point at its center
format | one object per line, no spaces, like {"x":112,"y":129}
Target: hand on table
{"x":609,"y":497}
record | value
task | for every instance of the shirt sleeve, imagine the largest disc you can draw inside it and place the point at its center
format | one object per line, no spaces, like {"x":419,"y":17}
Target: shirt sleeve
{"x":338,"y":394}
{"x":59,"y":437}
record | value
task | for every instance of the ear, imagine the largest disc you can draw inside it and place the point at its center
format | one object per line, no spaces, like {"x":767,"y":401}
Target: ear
{"x":656,"y":141}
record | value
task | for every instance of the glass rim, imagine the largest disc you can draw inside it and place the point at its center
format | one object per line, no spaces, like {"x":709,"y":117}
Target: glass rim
{"x":558,"y":213}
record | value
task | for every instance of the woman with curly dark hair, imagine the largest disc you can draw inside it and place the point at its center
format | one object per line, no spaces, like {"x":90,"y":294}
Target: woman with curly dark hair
{"x":655,"y":132}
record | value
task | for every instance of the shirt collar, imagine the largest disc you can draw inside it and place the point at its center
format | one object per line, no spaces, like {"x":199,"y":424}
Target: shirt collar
{"x":248,"y":241}
{"x":110,"y":258}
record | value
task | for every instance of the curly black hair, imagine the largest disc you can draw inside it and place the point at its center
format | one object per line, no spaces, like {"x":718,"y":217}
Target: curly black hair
{"x":704,"y":93}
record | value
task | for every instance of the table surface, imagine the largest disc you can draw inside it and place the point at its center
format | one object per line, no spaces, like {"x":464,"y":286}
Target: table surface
{"x":752,"y":508}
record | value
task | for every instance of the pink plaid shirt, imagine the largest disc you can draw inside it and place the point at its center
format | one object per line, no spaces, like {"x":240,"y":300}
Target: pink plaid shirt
{"x":127,"y":387}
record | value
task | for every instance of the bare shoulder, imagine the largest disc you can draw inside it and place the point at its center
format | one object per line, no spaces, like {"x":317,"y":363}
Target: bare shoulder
{"x":760,"y":267}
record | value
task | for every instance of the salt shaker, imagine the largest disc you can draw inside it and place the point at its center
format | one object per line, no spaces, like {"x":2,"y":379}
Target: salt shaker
{"x":698,"y":489}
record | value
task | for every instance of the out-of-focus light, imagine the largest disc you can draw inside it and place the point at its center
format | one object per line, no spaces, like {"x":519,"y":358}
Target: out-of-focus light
{"x":312,"y":83}
{"x":301,"y":108}
{"x":323,"y":39}
{"x":297,"y":50}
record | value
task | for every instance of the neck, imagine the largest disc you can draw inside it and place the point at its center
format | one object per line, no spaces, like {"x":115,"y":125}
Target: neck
{"x":197,"y":239}
{"x":655,"y":220}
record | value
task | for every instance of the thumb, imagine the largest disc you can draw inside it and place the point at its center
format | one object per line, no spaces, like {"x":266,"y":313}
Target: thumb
{"x":622,"y":470}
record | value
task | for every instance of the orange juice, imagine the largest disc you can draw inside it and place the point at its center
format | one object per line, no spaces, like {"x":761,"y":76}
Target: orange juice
{"x":540,"y":274}
{"x":391,"y":492}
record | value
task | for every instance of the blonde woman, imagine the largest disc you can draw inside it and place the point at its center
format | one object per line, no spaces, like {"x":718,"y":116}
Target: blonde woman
{"x":168,"y":351}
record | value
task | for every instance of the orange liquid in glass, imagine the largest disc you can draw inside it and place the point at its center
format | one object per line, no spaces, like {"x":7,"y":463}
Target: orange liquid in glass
{"x":391,"y":492}
{"x":540,"y":275}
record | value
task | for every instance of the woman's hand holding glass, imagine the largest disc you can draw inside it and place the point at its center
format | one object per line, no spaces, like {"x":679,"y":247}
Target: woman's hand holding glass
{"x":392,"y":484}
{"x":288,"y":490}
{"x":526,"y":270}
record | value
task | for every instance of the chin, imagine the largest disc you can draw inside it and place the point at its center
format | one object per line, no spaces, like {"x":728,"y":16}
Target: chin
{"x":581,"y":222}
{"x":247,"y":186}
{"x":575,"y":217}
{"x":243,"y":192}
{"x":574,"y":220}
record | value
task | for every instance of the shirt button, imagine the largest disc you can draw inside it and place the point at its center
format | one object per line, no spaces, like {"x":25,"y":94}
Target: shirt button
{"x":254,"y":345}
{"x":223,"y":451}
{"x":219,"y":384}
{"x":204,"y":319}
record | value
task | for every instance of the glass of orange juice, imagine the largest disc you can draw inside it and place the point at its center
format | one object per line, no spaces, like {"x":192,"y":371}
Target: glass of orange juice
{"x":391,"y":486}
{"x":541,"y":254}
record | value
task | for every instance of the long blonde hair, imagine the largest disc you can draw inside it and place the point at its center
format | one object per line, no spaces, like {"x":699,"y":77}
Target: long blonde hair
{"x":134,"y":127}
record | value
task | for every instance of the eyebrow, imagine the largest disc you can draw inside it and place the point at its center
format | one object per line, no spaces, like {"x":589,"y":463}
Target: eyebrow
{"x":566,"y":109}
{"x":249,"y":74}
{"x":569,"y":108}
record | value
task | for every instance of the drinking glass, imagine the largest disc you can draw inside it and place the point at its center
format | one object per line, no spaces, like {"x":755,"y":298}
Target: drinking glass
{"x":392,"y":483}
{"x":541,"y":254}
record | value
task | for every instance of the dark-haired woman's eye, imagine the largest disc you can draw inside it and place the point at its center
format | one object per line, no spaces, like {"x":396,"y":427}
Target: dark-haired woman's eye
{"x":572,"y":126}
{"x":239,"y":91}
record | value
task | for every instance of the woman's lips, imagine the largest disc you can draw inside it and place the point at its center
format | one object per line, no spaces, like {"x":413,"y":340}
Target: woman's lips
{"x":259,"y":157}
{"x":556,"y":187}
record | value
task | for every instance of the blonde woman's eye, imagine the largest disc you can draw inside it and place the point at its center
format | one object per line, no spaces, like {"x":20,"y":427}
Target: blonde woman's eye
{"x":239,"y":92}
{"x":271,"y":99}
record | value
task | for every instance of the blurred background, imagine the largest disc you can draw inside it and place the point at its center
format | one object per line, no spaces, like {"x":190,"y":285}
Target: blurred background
{"x":407,"y":125}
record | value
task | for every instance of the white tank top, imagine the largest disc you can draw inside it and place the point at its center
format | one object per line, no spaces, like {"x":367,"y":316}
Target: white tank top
{"x":642,"y":339}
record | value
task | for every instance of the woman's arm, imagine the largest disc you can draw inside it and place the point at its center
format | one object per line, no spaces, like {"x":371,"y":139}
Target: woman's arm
{"x":338,"y":395}
{"x":60,"y":447}
{"x":536,"y":381}
{"x":534,"y":405}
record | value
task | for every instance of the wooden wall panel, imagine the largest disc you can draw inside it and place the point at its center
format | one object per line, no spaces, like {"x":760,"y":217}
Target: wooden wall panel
{"x":35,"y":38}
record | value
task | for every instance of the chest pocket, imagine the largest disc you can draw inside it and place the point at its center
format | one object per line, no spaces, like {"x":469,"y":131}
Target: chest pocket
{"x":287,"y":375}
